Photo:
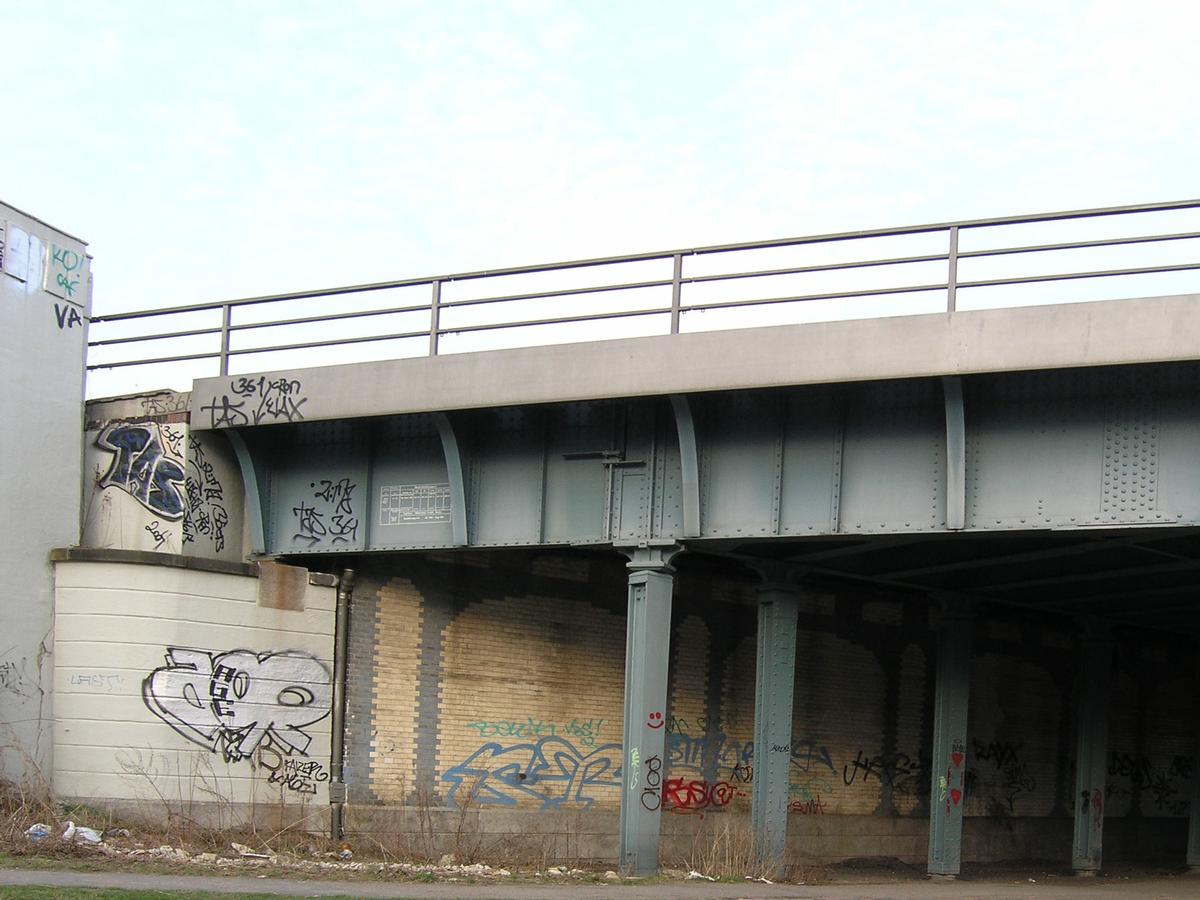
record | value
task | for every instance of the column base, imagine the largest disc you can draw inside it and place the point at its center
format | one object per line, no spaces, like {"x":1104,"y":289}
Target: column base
{"x":939,"y":876}
{"x":1086,"y":873}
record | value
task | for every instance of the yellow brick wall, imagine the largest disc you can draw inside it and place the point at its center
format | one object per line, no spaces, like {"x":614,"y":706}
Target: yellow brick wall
{"x":532,"y":686}
{"x":394,"y":690}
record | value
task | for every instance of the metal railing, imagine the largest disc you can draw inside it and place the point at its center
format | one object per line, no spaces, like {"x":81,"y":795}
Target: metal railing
{"x":660,"y":288}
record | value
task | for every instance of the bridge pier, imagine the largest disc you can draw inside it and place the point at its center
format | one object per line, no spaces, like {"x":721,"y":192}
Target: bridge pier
{"x":949,"y":753}
{"x":775,"y":675}
{"x":1091,"y":755}
{"x":647,"y":652}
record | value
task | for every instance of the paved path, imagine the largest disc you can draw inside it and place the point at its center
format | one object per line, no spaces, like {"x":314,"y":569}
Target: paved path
{"x":1133,"y":888}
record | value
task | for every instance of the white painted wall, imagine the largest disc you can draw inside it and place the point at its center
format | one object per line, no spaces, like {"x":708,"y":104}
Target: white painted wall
{"x":133,"y":730}
{"x":45,"y":286}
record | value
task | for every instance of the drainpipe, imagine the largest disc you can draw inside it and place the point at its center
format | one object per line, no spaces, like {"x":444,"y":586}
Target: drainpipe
{"x":337,"y":787}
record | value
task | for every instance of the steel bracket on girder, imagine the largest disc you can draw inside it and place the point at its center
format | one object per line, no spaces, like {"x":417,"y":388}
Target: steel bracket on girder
{"x":689,"y":464}
{"x":454,"y":476}
{"x":254,"y":503}
{"x":956,"y":453}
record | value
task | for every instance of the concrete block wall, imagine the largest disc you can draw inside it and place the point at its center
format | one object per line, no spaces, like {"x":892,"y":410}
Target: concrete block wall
{"x":486,"y":689}
{"x":192,"y":686}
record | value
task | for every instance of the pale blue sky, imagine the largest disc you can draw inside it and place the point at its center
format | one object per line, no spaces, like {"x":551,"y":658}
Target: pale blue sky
{"x":219,"y":150}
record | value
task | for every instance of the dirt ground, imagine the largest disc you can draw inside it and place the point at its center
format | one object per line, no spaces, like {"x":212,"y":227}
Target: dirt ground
{"x":867,"y":881}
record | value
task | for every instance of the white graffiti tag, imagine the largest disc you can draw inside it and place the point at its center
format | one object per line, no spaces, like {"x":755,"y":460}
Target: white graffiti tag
{"x":229,"y":702}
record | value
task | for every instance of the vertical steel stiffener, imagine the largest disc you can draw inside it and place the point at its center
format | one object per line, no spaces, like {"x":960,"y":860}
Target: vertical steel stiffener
{"x":1091,"y":754}
{"x":647,"y":651}
{"x":774,"y":677}
{"x":949,"y":756}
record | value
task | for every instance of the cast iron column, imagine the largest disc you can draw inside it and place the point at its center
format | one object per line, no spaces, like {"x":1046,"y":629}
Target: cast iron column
{"x":774,"y":677}
{"x":1091,"y":754}
{"x":647,"y":650}
{"x":949,"y":756}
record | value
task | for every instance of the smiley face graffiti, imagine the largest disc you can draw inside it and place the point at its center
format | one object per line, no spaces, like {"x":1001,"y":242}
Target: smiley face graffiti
{"x":655,"y":720}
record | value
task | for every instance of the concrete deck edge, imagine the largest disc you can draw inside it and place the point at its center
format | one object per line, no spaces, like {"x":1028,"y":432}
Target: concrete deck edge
{"x":1110,"y":332}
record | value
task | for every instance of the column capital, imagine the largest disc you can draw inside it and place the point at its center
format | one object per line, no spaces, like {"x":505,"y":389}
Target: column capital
{"x":1094,"y":631}
{"x":954,"y":607}
{"x":777,"y":575}
{"x":651,"y":556}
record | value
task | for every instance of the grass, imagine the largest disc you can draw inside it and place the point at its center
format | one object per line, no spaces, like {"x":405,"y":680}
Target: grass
{"x":63,"y":893}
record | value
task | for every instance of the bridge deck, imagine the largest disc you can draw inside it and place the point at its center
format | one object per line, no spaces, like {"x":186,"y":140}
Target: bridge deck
{"x":1115,"y":332}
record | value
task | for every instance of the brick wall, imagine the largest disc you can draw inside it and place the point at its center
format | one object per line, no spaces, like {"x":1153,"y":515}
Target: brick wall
{"x":486,"y":691}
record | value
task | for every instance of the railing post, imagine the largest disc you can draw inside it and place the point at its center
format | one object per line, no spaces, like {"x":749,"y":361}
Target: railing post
{"x":952,"y":275}
{"x":676,"y":292}
{"x":226,"y":315}
{"x":435,"y":310}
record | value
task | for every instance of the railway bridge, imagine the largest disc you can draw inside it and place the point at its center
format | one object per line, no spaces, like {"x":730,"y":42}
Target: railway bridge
{"x":971,"y":467}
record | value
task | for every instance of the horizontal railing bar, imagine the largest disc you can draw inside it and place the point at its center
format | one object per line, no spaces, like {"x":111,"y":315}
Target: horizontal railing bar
{"x":662,"y":311}
{"x":330,"y":317}
{"x":670,"y":254}
{"x":1078,"y":245}
{"x":216,"y":354}
{"x":196,"y":332}
{"x":332,"y":342}
{"x":566,"y":292}
{"x":826,"y":267}
{"x":801,"y":298}
{"x":1072,"y":276}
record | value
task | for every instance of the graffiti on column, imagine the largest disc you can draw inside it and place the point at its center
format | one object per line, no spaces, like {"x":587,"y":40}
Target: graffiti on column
{"x":240,"y":703}
{"x":955,"y":777}
{"x":205,"y":514}
{"x":146,"y":465}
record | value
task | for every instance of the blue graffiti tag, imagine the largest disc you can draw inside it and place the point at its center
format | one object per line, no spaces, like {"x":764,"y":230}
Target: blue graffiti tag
{"x":554,"y":773}
{"x":141,"y":466}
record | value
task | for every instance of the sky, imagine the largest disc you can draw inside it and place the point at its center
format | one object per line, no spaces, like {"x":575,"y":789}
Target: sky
{"x":219,"y":150}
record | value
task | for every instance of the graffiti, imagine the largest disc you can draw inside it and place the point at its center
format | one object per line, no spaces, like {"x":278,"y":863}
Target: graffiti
{"x":65,"y":269}
{"x":1002,"y":753}
{"x":231,"y":702}
{"x":655,"y":720}
{"x":553,"y":773}
{"x":634,"y":769}
{"x":299,"y":775}
{"x":142,"y":467}
{"x":958,"y":756}
{"x":703,"y":725}
{"x":336,"y":521}
{"x":1158,"y":783}
{"x":813,"y":806}
{"x":164,"y":405}
{"x":892,"y":769}
{"x":584,"y":732}
{"x":696,"y":795}
{"x":68,"y":316}
{"x":104,"y":681}
{"x":156,"y":531}
{"x":255,"y":401}
{"x":13,"y":677}
{"x":225,"y":413}
{"x":1011,"y":777}
{"x":806,"y":755}
{"x":743,"y":774}
{"x":204,"y":511}
{"x":683,"y":750}
{"x":651,"y":793}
